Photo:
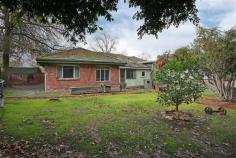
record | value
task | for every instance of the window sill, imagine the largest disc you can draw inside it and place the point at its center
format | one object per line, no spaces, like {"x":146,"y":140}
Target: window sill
{"x":68,"y":79}
{"x":104,"y":81}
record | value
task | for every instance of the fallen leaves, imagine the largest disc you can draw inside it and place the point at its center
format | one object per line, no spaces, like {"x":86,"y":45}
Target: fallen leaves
{"x":12,"y":148}
{"x":93,"y":133}
{"x":181,"y":120}
{"x":48,"y":123}
{"x":187,"y":154}
{"x":179,"y":116}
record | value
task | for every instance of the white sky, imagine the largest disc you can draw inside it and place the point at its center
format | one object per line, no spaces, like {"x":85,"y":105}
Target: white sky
{"x":213,"y":13}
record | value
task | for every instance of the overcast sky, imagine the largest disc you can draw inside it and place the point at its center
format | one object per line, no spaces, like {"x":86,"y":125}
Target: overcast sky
{"x":213,"y":13}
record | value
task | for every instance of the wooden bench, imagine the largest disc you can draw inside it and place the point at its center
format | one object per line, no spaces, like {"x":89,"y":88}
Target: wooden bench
{"x":87,"y":90}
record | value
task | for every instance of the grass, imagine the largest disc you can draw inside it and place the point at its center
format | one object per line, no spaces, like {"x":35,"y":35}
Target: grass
{"x":209,"y":93}
{"x":129,"y":122}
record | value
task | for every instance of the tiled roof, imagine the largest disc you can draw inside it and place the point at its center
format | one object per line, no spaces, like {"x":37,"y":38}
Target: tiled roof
{"x":81,"y":55}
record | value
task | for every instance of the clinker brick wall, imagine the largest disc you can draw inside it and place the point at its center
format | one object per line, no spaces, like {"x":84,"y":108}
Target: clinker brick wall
{"x":87,"y":78}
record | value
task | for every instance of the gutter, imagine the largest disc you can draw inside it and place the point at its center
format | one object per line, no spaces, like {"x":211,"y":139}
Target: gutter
{"x":136,"y":68}
{"x":76,"y":61}
{"x":148,"y":62}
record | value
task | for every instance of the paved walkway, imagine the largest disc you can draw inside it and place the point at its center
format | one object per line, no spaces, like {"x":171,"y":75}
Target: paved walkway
{"x":30,"y":90}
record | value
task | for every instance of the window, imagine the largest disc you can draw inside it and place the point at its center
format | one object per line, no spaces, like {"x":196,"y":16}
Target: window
{"x":130,"y":74}
{"x":143,"y":74}
{"x":68,"y":72}
{"x":102,"y":74}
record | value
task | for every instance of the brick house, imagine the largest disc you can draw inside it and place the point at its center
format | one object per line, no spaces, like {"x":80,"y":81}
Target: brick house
{"x":84,"y":70}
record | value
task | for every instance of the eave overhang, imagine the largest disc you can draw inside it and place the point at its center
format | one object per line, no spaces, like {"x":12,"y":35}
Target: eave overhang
{"x":45,"y":61}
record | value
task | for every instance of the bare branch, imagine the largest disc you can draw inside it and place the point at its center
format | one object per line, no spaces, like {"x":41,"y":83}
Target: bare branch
{"x":37,"y":40}
{"x":104,"y":43}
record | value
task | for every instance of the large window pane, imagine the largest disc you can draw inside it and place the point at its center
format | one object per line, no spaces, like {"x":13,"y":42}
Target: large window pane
{"x":130,"y":74}
{"x":107,"y":75}
{"x":98,"y":77}
{"x":102,"y":74}
{"x":68,"y":72}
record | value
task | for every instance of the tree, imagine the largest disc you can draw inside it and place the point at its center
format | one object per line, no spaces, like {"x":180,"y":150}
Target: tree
{"x":21,"y":36}
{"x":104,"y":43}
{"x":144,"y":56}
{"x":217,"y":51}
{"x":182,"y":81}
{"x":80,"y":17}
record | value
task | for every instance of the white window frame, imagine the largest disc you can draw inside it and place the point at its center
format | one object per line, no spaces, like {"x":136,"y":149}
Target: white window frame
{"x":100,"y":67}
{"x":74,"y":78}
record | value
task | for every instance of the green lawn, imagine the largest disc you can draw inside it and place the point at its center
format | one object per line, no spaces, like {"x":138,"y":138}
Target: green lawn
{"x":124,"y":125}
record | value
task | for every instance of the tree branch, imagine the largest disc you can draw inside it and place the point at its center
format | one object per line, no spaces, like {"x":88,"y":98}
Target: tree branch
{"x":36,"y":40}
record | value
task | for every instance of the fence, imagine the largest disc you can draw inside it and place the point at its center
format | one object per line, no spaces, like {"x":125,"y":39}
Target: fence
{"x":25,"y":76}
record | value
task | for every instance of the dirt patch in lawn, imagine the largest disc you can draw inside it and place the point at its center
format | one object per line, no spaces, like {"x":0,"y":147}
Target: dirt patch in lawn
{"x":48,"y":123}
{"x":215,"y":101}
{"x":93,"y":133}
{"x":184,"y":117}
{"x":178,"y":116}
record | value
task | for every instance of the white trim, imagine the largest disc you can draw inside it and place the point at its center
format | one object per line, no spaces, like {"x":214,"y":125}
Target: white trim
{"x":109,"y":67}
{"x":45,"y":79}
{"x":125,"y":75}
{"x":124,"y":67}
{"x":119,"y":74}
{"x":109,"y":73}
{"x":74,"y":78}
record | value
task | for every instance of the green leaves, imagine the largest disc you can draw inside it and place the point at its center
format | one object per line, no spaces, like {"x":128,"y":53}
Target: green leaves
{"x":181,"y":79}
{"x":158,"y":15}
{"x":217,"y":53}
{"x":80,"y":17}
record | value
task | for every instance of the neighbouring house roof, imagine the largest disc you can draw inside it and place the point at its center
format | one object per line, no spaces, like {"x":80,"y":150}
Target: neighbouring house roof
{"x":149,"y":62}
{"x":81,"y":55}
{"x":22,"y":70}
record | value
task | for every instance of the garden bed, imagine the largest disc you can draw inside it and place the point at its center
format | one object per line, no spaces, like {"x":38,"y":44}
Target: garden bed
{"x":215,"y":101}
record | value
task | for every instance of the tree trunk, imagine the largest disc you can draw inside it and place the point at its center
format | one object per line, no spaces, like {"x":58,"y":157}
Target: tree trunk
{"x":6,"y":44}
{"x":177,"y":108}
{"x":224,"y":88}
{"x":5,"y":58}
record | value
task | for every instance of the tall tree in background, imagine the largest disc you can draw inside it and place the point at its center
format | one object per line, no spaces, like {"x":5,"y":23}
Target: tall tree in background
{"x":104,"y":43}
{"x":21,"y":36}
{"x":217,"y":51}
{"x":144,"y":56}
